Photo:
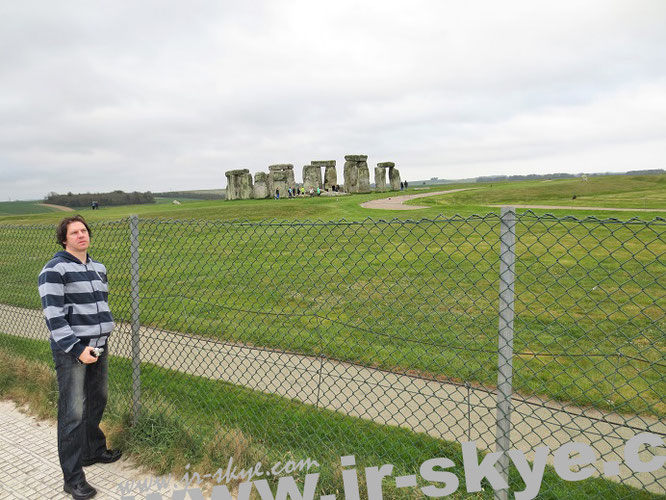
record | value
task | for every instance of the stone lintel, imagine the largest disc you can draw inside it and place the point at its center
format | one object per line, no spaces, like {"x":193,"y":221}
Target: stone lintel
{"x":281,"y":166}
{"x":386,"y":164}
{"x":356,"y":157}
{"x":323,"y":163}
{"x":239,"y":171}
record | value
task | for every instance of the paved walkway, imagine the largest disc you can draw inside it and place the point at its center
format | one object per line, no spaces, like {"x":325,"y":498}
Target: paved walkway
{"x":396,"y":202}
{"x":441,"y":409}
{"x":29,"y":467}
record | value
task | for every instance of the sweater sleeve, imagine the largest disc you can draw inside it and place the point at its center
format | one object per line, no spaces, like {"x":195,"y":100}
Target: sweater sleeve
{"x":52,"y":294}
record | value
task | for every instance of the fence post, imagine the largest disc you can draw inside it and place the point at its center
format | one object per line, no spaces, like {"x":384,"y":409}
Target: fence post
{"x":134,"y":297}
{"x":505,"y":342}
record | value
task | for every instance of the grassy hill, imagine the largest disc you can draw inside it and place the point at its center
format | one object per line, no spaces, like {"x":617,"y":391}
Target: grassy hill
{"x":618,"y":191}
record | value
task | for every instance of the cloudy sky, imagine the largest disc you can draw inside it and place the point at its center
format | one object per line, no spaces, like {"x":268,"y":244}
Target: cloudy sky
{"x":166,"y":95}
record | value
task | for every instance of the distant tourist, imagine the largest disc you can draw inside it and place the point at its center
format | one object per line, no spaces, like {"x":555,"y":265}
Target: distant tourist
{"x":277,"y":194}
{"x":405,"y":184}
{"x":402,"y":186}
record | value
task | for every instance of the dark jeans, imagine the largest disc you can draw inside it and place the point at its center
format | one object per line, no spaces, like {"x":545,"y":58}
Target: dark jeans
{"x":83,"y":391}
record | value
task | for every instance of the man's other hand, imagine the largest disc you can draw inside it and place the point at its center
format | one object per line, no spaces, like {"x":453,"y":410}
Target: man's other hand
{"x":87,"y":357}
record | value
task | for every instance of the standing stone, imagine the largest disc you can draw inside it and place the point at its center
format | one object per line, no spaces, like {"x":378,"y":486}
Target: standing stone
{"x":280,"y":177}
{"x":380,"y":178}
{"x":330,"y":174}
{"x":351,"y":177}
{"x":239,"y":184}
{"x":363,"y":177}
{"x":311,"y":177}
{"x":260,"y":190}
{"x":355,"y":178}
{"x":394,"y":179}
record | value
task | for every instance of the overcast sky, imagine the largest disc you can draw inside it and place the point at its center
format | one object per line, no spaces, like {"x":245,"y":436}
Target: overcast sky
{"x":167,"y":95}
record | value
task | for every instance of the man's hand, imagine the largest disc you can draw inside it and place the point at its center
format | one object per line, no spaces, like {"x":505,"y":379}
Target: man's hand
{"x":87,"y":357}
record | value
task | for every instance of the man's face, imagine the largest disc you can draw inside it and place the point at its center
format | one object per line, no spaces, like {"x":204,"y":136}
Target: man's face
{"x":77,"y":237}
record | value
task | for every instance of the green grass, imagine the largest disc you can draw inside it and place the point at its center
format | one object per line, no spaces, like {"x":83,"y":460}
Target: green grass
{"x":589,"y":309}
{"x":590,"y":298}
{"x":641,"y":192}
{"x":163,"y":200}
{"x":189,"y":419}
{"x":13,"y":208}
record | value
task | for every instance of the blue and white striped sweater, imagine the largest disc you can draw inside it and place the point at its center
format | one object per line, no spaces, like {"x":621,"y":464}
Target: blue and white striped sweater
{"x":75,"y":302}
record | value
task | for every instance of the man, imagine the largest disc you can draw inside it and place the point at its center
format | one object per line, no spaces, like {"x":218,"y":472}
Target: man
{"x":74,"y":292}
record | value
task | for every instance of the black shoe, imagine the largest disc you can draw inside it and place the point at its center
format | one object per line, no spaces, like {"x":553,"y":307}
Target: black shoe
{"x":80,"y":491}
{"x":107,"y":457}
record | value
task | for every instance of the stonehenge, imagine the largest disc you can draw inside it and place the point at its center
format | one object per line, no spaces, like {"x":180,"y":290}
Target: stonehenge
{"x":281,"y":177}
{"x":330,"y":173}
{"x":380,"y":178}
{"x":311,"y":177}
{"x":261,"y":186}
{"x":357,"y":174}
{"x":394,"y":176}
{"x":239,"y":184}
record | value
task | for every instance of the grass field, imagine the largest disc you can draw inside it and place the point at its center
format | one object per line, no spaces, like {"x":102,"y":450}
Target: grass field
{"x":225,"y":421}
{"x":12,"y":208}
{"x":642,"y":191}
{"x":590,"y":297}
{"x":418,"y":298}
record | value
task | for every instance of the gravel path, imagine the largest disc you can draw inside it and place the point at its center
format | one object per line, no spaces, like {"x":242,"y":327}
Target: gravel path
{"x":396,"y":202}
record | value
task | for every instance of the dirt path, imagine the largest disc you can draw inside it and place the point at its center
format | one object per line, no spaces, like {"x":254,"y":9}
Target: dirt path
{"x":59,"y":207}
{"x":396,"y":202}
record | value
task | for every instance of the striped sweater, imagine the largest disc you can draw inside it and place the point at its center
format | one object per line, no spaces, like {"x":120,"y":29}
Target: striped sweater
{"x":75,"y":302}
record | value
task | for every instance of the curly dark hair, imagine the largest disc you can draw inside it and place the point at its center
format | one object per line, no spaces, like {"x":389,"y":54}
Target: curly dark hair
{"x":61,"y":230}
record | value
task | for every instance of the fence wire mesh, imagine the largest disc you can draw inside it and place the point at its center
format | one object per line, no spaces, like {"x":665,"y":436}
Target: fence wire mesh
{"x":377,"y":339}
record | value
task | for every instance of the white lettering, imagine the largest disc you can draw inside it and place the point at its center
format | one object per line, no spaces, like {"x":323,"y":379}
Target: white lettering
{"x":563,"y":461}
{"x":531,"y":477}
{"x":475,"y":472}
{"x":373,"y":479}
{"x":631,"y":452}
{"x":429,"y":473}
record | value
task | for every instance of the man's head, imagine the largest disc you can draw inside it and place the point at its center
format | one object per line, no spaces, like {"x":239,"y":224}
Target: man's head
{"x":74,"y":234}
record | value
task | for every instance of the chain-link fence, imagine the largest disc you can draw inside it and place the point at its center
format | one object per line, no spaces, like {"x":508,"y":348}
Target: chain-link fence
{"x":392,"y":341}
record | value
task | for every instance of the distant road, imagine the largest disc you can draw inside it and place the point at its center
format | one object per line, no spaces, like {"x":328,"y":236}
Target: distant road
{"x":396,"y":202}
{"x":58,"y":207}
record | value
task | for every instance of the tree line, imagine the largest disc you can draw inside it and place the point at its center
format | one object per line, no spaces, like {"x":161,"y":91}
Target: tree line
{"x":113,"y":198}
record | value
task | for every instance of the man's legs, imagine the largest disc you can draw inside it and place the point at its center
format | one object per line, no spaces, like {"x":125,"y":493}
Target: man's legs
{"x":71,"y":379}
{"x":96,"y":390}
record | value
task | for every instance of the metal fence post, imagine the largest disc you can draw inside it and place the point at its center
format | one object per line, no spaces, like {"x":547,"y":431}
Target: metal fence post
{"x":505,"y":342}
{"x":134,"y":294}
